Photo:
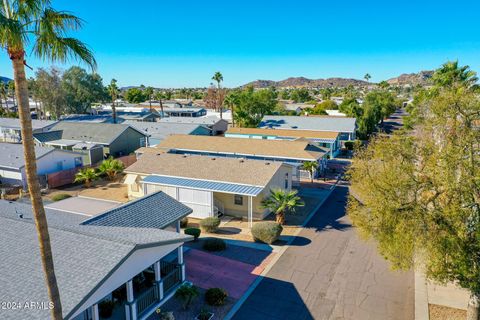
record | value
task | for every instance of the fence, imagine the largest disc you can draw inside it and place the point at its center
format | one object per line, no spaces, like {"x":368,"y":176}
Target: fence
{"x":128,"y":160}
{"x":61,"y":178}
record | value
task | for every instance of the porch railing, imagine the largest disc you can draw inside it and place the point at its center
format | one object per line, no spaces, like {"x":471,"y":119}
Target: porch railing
{"x":167,"y":267}
{"x":147,"y":299}
{"x":172,"y":279}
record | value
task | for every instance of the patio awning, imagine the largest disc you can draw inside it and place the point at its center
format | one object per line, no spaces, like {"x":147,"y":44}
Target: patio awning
{"x":214,"y":186}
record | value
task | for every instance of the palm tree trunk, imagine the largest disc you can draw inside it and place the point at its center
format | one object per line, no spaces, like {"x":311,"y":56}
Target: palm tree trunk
{"x":280,"y":217}
{"x":33,"y":184}
{"x":233,"y":115}
{"x":114,"y":111}
{"x":473,"y":308}
{"x":161,"y":108}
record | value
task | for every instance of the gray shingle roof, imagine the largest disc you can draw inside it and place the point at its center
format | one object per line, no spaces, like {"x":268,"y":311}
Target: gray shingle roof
{"x":210,"y":120}
{"x":11,"y":155}
{"x":15,"y":123}
{"x":103,"y":133}
{"x":323,"y":123}
{"x":157,"y":210}
{"x":83,"y":255}
{"x":161,"y":130}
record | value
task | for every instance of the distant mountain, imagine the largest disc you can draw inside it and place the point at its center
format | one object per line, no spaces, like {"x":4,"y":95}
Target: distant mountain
{"x":421,"y":78}
{"x":298,"y":82}
{"x":5,"y":79}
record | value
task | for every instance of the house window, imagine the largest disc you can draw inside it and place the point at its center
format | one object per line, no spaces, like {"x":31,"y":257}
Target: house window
{"x":238,"y":200}
{"x":286,"y":181}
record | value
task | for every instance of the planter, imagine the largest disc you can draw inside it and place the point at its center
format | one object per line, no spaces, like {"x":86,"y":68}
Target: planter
{"x":206,"y":316}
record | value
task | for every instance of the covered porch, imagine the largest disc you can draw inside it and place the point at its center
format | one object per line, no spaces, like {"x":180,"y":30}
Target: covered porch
{"x":207,"y":198}
{"x":140,"y":296}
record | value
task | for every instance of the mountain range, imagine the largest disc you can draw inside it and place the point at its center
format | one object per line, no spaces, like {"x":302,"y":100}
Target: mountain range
{"x":412,"y":79}
{"x":5,"y":79}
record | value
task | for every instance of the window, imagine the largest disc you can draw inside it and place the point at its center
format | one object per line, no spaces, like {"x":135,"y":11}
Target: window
{"x":142,"y":142}
{"x":78,"y":162}
{"x":286,"y":181}
{"x":238,"y":200}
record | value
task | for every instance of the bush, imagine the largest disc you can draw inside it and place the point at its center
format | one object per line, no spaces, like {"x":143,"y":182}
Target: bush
{"x":195,"y":232}
{"x":61,"y":196}
{"x":267,"y":232}
{"x":214,"y":244}
{"x":184,"y":222}
{"x":349,"y":145}
{"x":215,"y":296}
{"x":105,"y":308}
{"x":210,"y":224}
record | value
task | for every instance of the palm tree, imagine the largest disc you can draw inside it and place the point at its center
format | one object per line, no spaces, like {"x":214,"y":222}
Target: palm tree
{"x":35,"y":24}
{"x":450,"y":73}
{"x":310,"y":167}
{"x":149,"y":92}
{"x":113,"y":91}
{"x":159,"y":95}
{"x":230,"y":101}
{"x":218,"y":77}
{"x":282,"y":202}
{"x":367,"y":77}
{"x":86,"y":176}
{"x":111,"y":167}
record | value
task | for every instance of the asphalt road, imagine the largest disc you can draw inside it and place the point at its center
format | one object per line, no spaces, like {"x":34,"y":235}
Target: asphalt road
{"x":330,"y":273}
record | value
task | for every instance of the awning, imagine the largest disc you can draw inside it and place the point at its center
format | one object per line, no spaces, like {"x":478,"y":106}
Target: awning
{"x":223,"y":187}
{"x":130,"y":179}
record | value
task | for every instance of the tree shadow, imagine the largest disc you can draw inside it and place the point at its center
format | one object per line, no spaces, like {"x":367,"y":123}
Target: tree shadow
{"x":274,"y":299}
{"x":298,"y":241}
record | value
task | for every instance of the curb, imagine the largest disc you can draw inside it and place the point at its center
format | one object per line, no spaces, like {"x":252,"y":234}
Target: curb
{"x":257,"y":281}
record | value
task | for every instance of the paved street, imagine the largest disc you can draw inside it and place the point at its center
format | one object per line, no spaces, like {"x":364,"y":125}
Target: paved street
{"x":329,"y":273}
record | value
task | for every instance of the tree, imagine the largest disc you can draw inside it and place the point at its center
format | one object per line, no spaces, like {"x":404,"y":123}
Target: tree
{"x":451,"y":73}
{"x":111,"y":167}
{"x":218,"y":77}
{"x":351,"y":108}
{"x":114,"y":92}
{"x":135,"y":95}
{"x":11,"y":90}
{"x":367,"y":77}
{"x":282,"y":202}
{"x":86,"y":176}
{"x":33,"y":90}
{"x":35,"y":23}
{"x":81,"y":89}
{"x":50,"y":91}
{"x":253,"y":105}
{"x":148,"y":94}
{"x":419,"y":192}
{"x":159,"y":95}
{"x":310,"y":167}
{"x":300,"y":95}
{"x":186,"y":293}
{"x":230,"y":102}
{"x":326,"y":93}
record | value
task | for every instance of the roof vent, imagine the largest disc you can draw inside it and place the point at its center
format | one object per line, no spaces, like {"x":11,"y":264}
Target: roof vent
{"x":242,"y":160}
{"x":213,"y":158}
{"x":184,"y":156}
{"x":267,"y":163}
{"x":20,"y":215}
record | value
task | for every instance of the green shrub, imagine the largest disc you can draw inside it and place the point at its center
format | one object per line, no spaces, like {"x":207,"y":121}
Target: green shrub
{"x":184,"y":222}
{"x":267,"y":232}
{"x":214,"y":244}
{"x":61,"y":196}
{"x":210,"y":224}
{"x":195,"y":232}
{"x":186,"y":293}
{"x":216,"y":296}
{"x":349,"y":145}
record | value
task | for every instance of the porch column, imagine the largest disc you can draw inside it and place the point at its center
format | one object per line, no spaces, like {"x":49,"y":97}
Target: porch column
{"x":158,"y":279}
{"x":250,"y":212}
{"x":95,"y":315}
{"x":131,"y":305}
{"x":180,"y":262}
{"x":177,"y":226}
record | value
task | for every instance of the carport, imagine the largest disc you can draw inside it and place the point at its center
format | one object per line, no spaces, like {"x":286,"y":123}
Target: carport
{"x":199,"y":194}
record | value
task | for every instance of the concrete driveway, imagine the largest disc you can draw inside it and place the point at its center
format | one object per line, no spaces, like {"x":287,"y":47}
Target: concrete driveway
{"x":335,"y":276}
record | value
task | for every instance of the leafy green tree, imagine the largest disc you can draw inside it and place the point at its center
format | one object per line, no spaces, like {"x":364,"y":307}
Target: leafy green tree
{"x":114,"y":92}
{"x":50,"y":91}
{"x":86,"y":176}
{"x":351,"y":108}
{"x":111,"y":168}
{"x":37,"y":26}
{"x":383,"y":85}
{"x":311,"y":167}
{"x":82,"y":89}
{"x":285,"y":94}
{"x":253,"y":105}
{"x":135,"y":95}
{"x":419,"y":192}
{"x":326,"y":93}
{"x":282,"y":202}
{"x":300,"y":95}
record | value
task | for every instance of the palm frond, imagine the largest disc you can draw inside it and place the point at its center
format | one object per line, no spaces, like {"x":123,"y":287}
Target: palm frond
{"x":12,"y":35}
{"x":26,"y":10}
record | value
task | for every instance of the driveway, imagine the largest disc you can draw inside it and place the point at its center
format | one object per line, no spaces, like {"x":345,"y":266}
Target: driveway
{"x":335,"y":275}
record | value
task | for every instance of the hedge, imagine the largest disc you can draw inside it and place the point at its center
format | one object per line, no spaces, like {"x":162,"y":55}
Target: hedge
{"x":210,"y":224}
{"x":195,"y":232}
{"x":267,"y":232}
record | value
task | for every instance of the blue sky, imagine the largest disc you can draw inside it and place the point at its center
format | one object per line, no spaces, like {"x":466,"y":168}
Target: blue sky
{"x":182,"y":43}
